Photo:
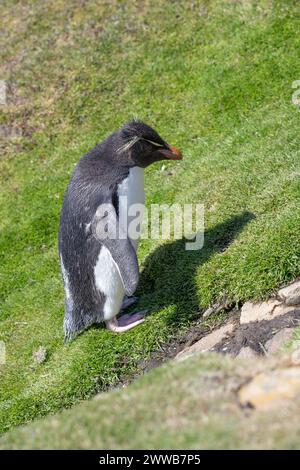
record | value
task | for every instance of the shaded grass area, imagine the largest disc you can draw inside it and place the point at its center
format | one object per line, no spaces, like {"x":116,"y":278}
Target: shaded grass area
{"x":189,"y":405}
{"x":215,"y":78}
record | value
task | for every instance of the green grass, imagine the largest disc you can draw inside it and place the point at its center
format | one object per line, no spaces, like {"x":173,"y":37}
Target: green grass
{"x":215,"y":79}
{"x":188,"y":405}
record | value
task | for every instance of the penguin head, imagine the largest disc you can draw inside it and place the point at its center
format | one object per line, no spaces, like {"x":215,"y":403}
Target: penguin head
{"x":142,"y":145}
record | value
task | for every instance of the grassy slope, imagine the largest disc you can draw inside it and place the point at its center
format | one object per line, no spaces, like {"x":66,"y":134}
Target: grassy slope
{"x":197,"y":397}
{"x":215,"y":79}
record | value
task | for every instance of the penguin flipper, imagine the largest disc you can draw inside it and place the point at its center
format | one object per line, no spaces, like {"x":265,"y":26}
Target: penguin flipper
{"x":120,"y":248}
{"x":125,"y":258}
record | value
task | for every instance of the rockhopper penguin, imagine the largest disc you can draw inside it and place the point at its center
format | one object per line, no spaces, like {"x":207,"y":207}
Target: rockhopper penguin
{"x":99,"y":270}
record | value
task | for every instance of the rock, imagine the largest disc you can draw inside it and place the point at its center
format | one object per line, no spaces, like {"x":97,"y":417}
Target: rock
{"x":278,"y":340}
{"x":263,"y":311}
{"x":247,"y":353}
{"x":39,"y":355}
{"x":271,"y":389}
{"x":207,"y":342}
{"x":290,"y":294}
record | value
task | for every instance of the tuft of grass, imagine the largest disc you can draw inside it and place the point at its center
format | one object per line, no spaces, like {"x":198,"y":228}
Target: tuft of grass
{"x":215,"y":78}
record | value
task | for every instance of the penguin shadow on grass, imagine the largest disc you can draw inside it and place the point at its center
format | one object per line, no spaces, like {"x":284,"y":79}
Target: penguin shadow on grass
{"x":168,"y":274}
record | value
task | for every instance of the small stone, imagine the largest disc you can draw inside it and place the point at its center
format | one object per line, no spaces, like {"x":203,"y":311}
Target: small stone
{"x":207,"y":342}
{"x":290,"y":294}
{"x":271,"y":389}
{"x":247,"y":353}
{"x":278,"y":340}
{"x":263,"y":311}
{"x":40,"y":355}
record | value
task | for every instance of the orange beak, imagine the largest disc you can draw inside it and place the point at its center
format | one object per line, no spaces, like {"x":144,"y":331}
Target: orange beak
{"x":172,"y":154}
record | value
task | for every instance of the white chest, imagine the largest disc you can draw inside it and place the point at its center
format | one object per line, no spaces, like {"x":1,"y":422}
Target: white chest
{"x":131,"y":194}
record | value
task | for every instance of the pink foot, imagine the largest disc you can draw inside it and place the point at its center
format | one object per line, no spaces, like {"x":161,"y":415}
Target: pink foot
{"x":125,"y":322}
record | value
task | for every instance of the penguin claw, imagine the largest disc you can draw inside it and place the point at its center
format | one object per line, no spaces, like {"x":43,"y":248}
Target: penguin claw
{"x":128,"y":301}
{"x":126,"y":322}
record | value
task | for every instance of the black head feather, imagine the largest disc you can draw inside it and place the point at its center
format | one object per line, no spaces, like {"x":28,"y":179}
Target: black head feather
{"x":140,"y":130}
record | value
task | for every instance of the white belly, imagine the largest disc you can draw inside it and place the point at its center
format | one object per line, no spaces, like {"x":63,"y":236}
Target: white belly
{"x":108,"y":281}
{"x":131,"y":204}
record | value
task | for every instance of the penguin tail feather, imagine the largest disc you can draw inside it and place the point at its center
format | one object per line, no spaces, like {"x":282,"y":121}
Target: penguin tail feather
{"x":73,"y":326}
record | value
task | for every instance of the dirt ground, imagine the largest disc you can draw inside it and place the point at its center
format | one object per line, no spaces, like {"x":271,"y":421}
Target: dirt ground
{"x":253,"y":335}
